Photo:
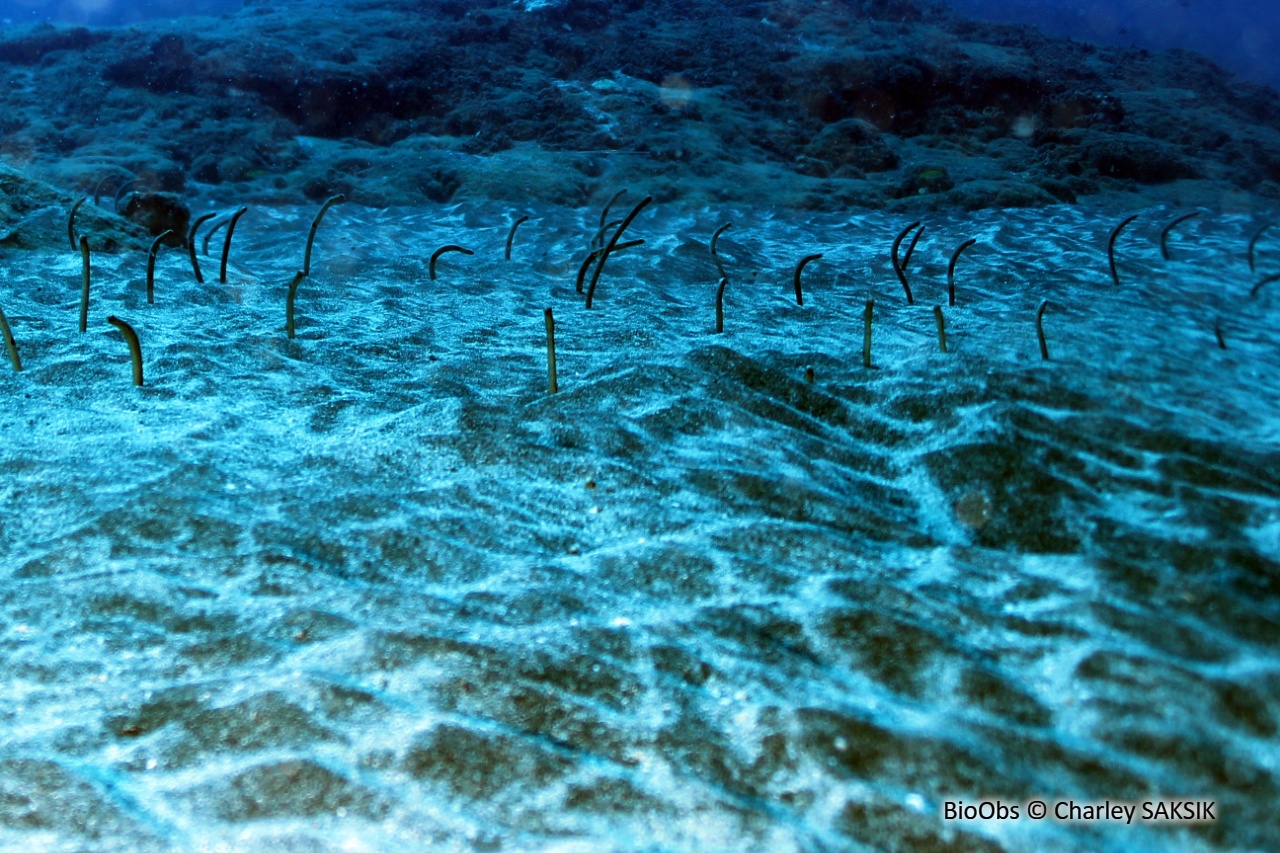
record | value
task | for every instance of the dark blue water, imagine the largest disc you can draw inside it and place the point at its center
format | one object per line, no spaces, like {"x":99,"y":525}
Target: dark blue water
{"x":1242,"y":36}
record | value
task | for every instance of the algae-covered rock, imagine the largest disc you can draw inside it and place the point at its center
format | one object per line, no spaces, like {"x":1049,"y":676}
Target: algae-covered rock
{"x":852,"y":144}
{"x":33,"y":215}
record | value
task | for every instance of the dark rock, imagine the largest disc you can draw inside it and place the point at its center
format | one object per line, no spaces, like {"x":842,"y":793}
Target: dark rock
{"x":1131,"y":158}
{"x":34,"y":214}
{"x":1060,"y":190}
{"x":205,"y":169}
{"x":159,"y":212}
{"x":1082,"y":109}
{"x":167,"y":68}
{"x":852,"y":146}
{"x":30,"y":47}
{"x":235,"y":168}
{"x":977,"y":195}
{"x":926,"y":180}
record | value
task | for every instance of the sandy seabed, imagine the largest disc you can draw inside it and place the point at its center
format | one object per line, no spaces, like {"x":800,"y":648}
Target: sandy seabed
{"x":375,"y":588}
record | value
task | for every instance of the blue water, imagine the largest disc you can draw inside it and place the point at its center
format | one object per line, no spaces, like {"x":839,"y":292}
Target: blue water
{"x":1243,"y":36}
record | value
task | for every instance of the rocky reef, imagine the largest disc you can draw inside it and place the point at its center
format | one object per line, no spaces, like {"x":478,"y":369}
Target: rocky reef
{"x":824,"y":105}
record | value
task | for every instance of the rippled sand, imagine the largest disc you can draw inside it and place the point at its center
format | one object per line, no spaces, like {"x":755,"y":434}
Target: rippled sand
{"x":375,"y":588}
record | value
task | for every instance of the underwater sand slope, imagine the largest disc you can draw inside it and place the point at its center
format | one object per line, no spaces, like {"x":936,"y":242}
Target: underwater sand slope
{"x":375,"y":586}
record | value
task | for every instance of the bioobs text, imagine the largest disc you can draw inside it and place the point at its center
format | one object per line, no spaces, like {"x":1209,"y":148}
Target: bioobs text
{"x":984,"y":810}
